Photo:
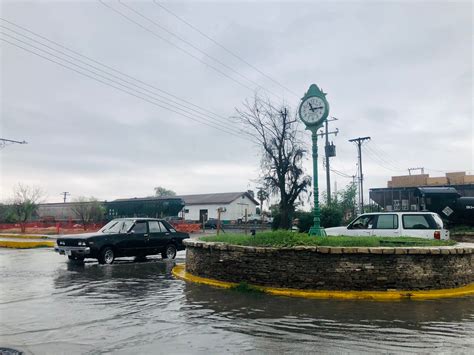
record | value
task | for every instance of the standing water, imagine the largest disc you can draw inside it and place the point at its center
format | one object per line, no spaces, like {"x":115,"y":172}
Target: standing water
{"x":48,"y":305}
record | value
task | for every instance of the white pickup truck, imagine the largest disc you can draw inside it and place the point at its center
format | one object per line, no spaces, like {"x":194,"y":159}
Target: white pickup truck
{"x":394,"y":224}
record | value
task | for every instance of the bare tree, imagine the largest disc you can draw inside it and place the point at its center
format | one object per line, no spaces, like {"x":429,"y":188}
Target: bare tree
{"x":87,"y":210}
{"x":25,"y":202}
{"x":282,"y":152}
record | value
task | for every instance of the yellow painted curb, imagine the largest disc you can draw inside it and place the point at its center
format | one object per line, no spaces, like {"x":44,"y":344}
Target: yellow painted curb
{"x":23,"y":236}
{"x":179,"y":271}
{"x":26,"y":244}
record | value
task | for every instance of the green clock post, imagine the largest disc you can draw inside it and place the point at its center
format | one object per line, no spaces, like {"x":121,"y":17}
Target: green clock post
{"x":313,"y":111}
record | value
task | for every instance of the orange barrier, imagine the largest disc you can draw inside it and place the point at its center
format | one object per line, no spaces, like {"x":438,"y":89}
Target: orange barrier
{"x":187,"y":228}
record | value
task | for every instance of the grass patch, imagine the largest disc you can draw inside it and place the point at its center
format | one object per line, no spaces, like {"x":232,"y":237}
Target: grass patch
{"x":289,"y":239}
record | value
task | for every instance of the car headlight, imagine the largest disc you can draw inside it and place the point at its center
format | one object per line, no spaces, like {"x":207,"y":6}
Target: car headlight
{"x":61,"y":243}
{"x":82,"y":243}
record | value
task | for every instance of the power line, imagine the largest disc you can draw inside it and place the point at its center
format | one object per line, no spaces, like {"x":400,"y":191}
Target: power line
{"x":195,"y":47}
{"x":114,"y":81}
{"x":378,"y":161}
{"x":106,"y":66}
{"x":120,"y":89}
{"x":225,"y":48}
{"x":224,"y":125}
{"x":392,"y":161}
{"x":176,"y":46}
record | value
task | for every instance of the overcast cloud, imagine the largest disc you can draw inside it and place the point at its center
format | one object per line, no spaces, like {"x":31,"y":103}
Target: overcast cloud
{"x":400,"y":72}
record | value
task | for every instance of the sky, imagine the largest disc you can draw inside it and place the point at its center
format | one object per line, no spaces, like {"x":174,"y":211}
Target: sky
{"x":397,"y":71}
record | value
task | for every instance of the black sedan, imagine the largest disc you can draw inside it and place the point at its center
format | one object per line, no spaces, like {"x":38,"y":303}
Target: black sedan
{"x":124,"y":237}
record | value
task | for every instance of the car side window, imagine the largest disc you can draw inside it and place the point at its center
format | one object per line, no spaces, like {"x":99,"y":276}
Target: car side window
{"x":163,"y":228}
{"x":169,"y":227}
{"x":415,"y":222}
{"x":387,"y":221}
{"x":154,"y":227}
{"x":139,"y":228}
{"x":363,"y":222}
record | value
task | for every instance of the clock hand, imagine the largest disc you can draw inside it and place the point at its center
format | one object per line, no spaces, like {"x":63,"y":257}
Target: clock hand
{"x":311,"y":107}
{"x":316,"y":108}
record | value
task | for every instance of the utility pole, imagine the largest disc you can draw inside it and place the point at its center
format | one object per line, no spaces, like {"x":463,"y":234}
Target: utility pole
{"x":359,"y":142}
{"x":330,"y":151}
{"x":65,"y":193}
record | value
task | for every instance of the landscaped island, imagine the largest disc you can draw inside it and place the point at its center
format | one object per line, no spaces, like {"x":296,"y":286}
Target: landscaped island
{"x":287,"y":260}
{"x":291,"y":239}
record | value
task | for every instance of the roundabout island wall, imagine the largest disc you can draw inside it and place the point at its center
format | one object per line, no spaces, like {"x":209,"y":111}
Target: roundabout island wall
{"x":334,"y":268}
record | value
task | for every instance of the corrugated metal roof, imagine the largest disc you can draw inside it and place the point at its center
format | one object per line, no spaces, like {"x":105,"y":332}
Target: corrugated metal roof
{"x":445,"y":191}
{"x":215,"y":199}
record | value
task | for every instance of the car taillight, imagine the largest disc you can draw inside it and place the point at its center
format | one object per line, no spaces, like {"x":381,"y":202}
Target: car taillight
{"x":437,"y":235}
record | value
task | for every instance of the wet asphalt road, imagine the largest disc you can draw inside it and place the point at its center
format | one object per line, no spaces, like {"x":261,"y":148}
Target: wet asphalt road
{"x":50,"y":306}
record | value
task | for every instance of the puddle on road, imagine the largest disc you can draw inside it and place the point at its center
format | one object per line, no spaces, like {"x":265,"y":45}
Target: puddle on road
{"x":50,"y":305}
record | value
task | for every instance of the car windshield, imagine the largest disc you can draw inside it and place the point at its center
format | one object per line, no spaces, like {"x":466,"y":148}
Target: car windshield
{"x":116,"y":226}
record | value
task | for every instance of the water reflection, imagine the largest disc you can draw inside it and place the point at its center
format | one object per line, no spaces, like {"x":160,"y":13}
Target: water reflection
{"x":138,"y":307}
{"x":356,"y":326}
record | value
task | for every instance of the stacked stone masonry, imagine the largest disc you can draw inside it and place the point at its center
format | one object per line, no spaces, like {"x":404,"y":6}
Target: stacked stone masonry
{"x":333,"y":268}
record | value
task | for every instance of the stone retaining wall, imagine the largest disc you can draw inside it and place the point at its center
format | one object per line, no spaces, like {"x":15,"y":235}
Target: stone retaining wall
{"x":331,"y":268}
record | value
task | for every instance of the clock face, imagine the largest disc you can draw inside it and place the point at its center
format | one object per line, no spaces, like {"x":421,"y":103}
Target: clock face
{"x":312,"y":109}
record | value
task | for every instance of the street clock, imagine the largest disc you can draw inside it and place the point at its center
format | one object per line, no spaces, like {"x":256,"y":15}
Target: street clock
{"x":313,"y":111}
{"x":314,"y":108}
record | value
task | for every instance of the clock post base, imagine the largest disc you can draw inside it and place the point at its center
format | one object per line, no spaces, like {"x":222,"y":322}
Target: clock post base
{"x":317,"y":231}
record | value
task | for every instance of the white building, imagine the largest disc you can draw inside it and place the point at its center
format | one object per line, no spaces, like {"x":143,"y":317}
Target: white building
{"x":235,"y":205}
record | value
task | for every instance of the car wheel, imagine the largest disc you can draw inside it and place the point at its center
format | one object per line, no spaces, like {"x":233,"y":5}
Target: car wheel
{"x":107,"y":256}
{"x":170,"y":252}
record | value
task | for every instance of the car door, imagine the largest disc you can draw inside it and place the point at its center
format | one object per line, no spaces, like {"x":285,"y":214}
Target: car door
{"x":386,"y":225}
{"x":159,"y":236}
{"x":137,"y":241}
{"x":362,"y":226}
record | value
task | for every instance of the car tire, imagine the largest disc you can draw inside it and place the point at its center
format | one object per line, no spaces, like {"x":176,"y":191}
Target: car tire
{"x":107,"y":256}
{"x":170,"y":252}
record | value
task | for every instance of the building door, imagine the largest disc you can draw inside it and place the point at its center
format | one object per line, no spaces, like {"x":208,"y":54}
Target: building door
{"x":203,"y":216}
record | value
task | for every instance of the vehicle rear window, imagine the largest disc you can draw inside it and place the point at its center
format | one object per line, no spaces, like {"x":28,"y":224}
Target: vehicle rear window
{"x":163,"y":228}
{"x":417,"y":221}
{"x":387,"y":221}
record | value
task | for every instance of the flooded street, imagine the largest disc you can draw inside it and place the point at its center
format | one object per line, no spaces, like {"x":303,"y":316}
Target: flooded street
{"x":48,"y":306}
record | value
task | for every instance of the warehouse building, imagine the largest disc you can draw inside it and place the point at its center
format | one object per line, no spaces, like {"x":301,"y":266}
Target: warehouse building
{"x":234,"y":206}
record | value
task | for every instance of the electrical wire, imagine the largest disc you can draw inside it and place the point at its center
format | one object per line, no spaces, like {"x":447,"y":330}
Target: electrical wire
{"x":138,"y":13}
{"x":377,"y":160}
{"x":389,"y":164}
{"x":131,"y":92}
{"x":176,"y":46}
{"x":232,"y":53}
{"x":173,"y":103}
{"x":108,"y":67}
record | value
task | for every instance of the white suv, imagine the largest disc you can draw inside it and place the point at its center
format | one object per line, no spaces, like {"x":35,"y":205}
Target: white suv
{"x":394,"y":224}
